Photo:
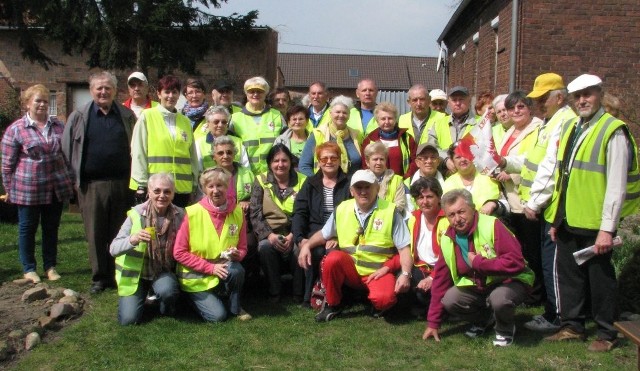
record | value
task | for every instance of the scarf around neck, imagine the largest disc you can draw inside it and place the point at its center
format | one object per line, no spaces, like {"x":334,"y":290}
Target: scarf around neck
{"x":195,"y":114}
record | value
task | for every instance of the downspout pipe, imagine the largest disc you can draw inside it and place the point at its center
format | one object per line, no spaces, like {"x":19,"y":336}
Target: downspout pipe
{"x":514,"y":44}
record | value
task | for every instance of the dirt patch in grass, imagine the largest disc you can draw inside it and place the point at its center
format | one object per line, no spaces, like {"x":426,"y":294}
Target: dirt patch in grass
{"x":19,"y":318}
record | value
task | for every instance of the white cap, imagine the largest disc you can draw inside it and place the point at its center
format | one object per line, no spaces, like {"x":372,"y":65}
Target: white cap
{"x":437,"y":94}
{"x":139,"y":76}
{"x":363,"y":176}
{"x":583,"y":82}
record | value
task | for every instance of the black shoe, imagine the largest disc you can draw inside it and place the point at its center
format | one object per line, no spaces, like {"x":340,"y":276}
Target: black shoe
{"x":328,"y":313}
{"x":376,"y":313}
{"x":96,"y":287}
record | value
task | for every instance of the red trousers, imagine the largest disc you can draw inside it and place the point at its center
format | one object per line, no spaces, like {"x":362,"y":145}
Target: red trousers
{"x":339,"y":269}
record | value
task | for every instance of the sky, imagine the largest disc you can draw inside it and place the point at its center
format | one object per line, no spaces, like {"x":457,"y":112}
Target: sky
{"x":383,"y":27}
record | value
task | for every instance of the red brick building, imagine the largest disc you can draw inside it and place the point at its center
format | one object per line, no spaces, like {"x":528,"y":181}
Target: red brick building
{"x":68,"y":82}
{"x":570,"y":38}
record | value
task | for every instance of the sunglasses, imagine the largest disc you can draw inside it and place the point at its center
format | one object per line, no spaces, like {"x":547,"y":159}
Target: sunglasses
{"x":324,"y":160}
{"x":218,"y":122}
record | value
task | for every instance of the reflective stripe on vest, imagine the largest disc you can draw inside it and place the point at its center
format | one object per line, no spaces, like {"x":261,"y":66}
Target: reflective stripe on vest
{"x":168,"y":154}
{"x":483,"y":241}
{"x":287,"y":205}
{"x":377,"y":242}
{"x":129,"y":265}
{"x":584,"y":209}
{"x":258,"y":138}
{"x":205,"y":243}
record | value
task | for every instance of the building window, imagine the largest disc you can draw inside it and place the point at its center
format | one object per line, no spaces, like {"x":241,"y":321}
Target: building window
{"x":353,"y":72}
{"x":53,"y":104}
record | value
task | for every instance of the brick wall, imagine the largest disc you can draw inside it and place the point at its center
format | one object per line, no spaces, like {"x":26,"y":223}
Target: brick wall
{"x":234,"y":61}
{"x":601,"y":37}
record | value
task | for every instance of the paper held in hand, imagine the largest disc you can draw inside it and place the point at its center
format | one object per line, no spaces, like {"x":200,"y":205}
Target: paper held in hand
{"x":581,"y":256}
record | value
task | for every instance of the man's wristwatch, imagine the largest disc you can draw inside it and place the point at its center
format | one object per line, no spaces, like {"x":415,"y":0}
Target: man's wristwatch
{"x":408,"y":274}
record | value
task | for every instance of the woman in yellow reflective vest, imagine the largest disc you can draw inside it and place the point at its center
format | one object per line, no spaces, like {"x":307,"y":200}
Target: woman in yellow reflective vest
{"x":144,"y":252}
{"x":272,"y":198}
{"x":162,"y":141}
{"x":210,"y":245}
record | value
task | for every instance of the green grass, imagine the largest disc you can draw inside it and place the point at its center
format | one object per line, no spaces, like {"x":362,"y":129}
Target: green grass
{"x":280,"y":337}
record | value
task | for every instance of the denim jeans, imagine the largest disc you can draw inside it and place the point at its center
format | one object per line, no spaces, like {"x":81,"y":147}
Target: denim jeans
{"x":209,"y":305}
{"x":28,"y":219}
{"x":166,"y":288}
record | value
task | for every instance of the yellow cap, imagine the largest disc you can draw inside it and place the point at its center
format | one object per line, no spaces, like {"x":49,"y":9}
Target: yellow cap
{"x":546,"y":83}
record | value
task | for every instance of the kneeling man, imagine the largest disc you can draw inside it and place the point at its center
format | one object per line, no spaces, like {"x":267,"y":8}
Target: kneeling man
{"x":370,"y":232}
{"x":481,"y":275}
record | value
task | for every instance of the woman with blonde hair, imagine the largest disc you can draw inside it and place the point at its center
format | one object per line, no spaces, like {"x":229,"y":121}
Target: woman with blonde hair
{"x":38,"y":178}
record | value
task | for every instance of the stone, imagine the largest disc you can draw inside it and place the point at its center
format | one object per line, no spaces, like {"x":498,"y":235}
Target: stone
{"x":55,"y":294}
{"x":5,"y":350}
{"x":32,"y":340}
{"x":36,"y":293}
{"x":59,"y":310}
{"x":46,"y":322}
{"x":68,"y":300}
{"x":22,"y":282}
{"x":69,"y":292}
{"x":33,"y":327}
{"x":16,"y":334}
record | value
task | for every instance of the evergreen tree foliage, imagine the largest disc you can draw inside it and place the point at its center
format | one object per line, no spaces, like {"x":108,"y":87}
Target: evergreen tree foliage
{"x":124,"y":34}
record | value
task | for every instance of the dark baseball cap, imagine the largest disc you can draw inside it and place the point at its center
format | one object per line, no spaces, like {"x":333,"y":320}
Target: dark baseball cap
{"x":221,"y":85}
{"x":459,"y":90}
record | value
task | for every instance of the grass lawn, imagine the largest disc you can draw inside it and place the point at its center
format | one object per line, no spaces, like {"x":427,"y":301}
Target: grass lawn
{"x":279,"y":337}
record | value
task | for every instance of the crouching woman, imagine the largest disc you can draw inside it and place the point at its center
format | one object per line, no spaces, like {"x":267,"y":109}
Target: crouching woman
{"x":144,"y":252}
{"x":210,"y":244}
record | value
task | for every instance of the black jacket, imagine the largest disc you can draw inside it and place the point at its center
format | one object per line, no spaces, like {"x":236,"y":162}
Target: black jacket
{"x":308,"y":207}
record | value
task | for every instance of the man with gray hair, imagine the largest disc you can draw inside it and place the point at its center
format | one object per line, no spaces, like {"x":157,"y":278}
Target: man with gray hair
{"x":421,"y":118}
{"x":597,"y":183}
{"x":480,"y":263}
{"x":96,"y":141}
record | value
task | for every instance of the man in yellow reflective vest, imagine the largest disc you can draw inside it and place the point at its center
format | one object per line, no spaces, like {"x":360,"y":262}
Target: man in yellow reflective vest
{"x":596,"y":184}
{"x":370,"y":232}
{"x":536,"y":185}
{"x":318,"y":105}
{"x":480,"y":263}
{"x":361,"y":118}
{"x":421,"y":118}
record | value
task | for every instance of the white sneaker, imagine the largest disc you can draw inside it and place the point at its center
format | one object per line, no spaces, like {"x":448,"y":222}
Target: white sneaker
{"x":52,"y":274}
{"x":33,"y":277}
{"x":540,"y":324}
{"x":504,"y":340}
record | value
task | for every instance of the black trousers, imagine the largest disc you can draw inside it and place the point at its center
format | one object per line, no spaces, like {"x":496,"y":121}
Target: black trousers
{"x":528,"y":234}
{"x":595,"y":279}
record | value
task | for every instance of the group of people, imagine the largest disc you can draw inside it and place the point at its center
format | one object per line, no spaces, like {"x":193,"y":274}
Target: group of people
{"x":354,"y":195}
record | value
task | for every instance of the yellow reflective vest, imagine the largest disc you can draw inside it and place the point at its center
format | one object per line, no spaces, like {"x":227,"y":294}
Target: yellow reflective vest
{"x":406,"y":122}
{"x":443,"y":132}
{"x":129,"y":265}
{"x":538,"y":151}
{"x":484,"y":188}
{"x":484,"y":243}
{"x":587,"y":179}
{"x":205,"y":243}
{"x":355,"y":123}
{"x":375,"y":247}
{"x":166,"y":154}
{"x":287,"y":204}
{"x":258,"y":138}
{"x":204,"y":151}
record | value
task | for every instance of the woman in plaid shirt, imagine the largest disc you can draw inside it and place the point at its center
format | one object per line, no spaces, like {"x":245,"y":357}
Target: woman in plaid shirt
{"x":38,"y":178}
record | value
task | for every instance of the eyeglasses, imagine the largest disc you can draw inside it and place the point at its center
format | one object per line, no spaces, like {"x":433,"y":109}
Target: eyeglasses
{"x":158,"y":191}
{"x":219,"y":122}
{"x":519,"y":106}
{"x":427,"y":158}
{"x":255,"y":92}
{"x":227,"y":152}
{"x":324,"y":160}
